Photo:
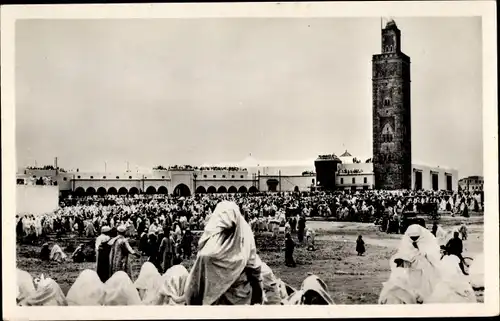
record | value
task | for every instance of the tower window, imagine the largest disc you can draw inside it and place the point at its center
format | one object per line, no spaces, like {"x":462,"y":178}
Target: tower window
{"x":204,"y":176}
{"x":65,"y":179}
{"x":130,"y":177}
{"x":223,"y":176}
{"x":79,"y":176}
{"x":117,"y":177}
{"x":387,"y":102}
{"x":232,"y":176}
{"x":354,"y":180}
{"x":215,"y":176}
{"x":91,"y":177}
{"x":241,"y":176}
{"x":341,"y":181}
{"x":104,"y":177}
{"x":365,"y":180}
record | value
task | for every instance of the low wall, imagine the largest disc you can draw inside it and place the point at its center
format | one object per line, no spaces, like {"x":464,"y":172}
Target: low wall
{"x":35,"y":199}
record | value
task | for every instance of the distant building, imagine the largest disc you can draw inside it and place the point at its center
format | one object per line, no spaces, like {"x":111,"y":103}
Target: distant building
{"x":471,"y":184}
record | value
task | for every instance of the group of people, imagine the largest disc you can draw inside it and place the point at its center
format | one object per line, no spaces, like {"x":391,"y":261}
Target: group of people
{"x":227,"y":271}
{"x":423,"y":271}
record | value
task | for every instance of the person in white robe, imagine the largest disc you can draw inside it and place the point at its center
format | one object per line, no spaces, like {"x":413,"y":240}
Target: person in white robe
{"x":313,"y":291}
{"x":453,"y":286}
{"x":119,"y":290}
{"x":148,"y":277}
{"x":57,"y":254}
{"x":226,"y":270}
{"x":476,"y":272}
{"x":47,"y":293}
{"x":172,"y":286}
{"x":270,"y":286}
{"x":25,"y":285}
{"x":398,"y":290}
{"x":421,"y":249}
{"x":88,"y":290}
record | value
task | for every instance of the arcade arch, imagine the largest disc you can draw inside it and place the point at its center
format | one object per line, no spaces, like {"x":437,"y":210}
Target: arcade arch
{"x":90,"y":191}
{"x":252,"y":189}
{"x":242,"y":189}
{"x":212,"y":189}
{"x":101,"y":191}
{"x":162,"y":190}
{"x":133,"y":191}
{"x":122,"y":191}
{"x":232,"y":190}
{"x":222,"y":189}
{"x":182,"y":190}
{"x":201,"y":190}
{"x":112,"y":191}
{"x":151,"y":190}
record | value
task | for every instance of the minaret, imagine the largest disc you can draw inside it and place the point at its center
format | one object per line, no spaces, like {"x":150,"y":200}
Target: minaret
{"x":391,"y":113}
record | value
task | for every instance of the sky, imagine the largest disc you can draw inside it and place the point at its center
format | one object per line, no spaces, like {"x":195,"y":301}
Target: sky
{"x":210,"y":91}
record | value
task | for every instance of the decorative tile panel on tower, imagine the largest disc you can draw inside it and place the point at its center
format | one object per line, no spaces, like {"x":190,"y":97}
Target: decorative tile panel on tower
{"x":391,"y":113}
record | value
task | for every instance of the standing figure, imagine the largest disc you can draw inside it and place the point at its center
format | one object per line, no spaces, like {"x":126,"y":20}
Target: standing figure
{"x":289,"y":247}
{"x":166,"y":252}
{"x":102,"y":249}
{"x":300,"y":228}
{"x":119,"y":253}
{"x":360,"y":246}
{"x":187,"y":241}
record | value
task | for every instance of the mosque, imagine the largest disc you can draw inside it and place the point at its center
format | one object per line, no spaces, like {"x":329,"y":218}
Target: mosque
{"x":390,"y":168}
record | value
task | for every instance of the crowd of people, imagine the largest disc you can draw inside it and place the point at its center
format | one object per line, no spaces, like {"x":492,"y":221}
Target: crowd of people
{"x":163,"y":227}
{"x":228,"y":271}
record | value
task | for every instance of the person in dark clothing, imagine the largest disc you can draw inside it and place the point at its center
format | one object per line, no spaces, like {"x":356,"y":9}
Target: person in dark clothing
{"x":187,"y":243}
{"x":143,"y":243}
{"x":19,"y":228}
{"x":78,"y":255}
{"x":434,"y":229}
{"x":455,"y":247}
{"x":152,"y":249}
{"x":293,"y":224}
{"x":300,"y":228}
{"x":45,"y":252}
{"x":289,"y":247}
{"x":360,"y":246}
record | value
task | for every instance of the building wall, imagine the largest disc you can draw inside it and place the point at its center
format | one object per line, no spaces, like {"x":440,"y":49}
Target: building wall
{"x":472,"y":183}
{"x":287,"y":183}
{"x":363,"y":178}
{"x":33,"y":199}
{"x":391,"y":112}
{"x":427,"y":178}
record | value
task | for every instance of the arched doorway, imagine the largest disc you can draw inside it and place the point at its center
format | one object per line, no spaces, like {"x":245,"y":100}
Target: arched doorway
{"x":90,"y":191}
{"x":211,"y":189}
{"x":150,"y":190}
{"x":182,"y":190}
{"x":252,"y":189}
{"x":296,"y":189}
{"x":222,"y":189}
{"x":101,"y":191}
{"x":133,"y":191}
{"x":162,"y":190}
{"x":242,"y":189}
{"x":232,"y":190}
{"x":272,"y":185}
{"x":112,"y":191}
{"x":201,"y":190}
{"x":80,"y":191}
{"x":122,"y":191}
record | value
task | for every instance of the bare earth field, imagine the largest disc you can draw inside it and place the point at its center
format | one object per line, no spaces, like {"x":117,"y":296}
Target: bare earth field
{"x":351,"y":279}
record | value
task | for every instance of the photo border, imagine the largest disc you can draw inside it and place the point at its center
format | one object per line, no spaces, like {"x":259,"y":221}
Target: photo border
{"x":485,"y":9}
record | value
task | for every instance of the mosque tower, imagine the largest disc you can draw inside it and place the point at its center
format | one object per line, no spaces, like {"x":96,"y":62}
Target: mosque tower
{"x":391,"y":113}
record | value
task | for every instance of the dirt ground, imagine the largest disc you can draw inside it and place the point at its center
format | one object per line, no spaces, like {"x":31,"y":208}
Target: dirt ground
{"x":351,"y":279}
